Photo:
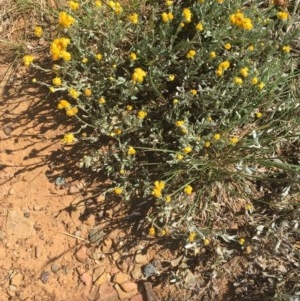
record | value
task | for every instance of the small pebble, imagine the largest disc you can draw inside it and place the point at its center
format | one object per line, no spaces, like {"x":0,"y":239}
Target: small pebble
{"x":55,"y":268}
{"x":95,"y":235}
{"x":149,"y":270}
{"x":37,"y":252}
{"x":27,"y":214}
{"x":45,"y":276}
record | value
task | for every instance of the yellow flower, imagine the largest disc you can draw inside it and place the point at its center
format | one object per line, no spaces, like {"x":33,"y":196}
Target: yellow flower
{"x":261,"y":85}
{"x":84,"y":60}
{"x":118,"y":190}
{"x":254,"y":80}
{"x":241,"y":240}
{"x":286,"y":49}
{"x":283,"y":16}
{"x":187,"y":15}
{"x":115,"y":6}
{"x":131,"y":151}
{"x":138,"y":75}
{"x":51,"y":89}
{"x":217,"y":136}
{"x":182,"y":24}
{"x":207,"y":143}
{"x":65,"y":20}
{"x":191,"y":54}
{"x":171,"y":77}
{"x":219,"y":72}
{"x":258,"y":115}
{"x":156,"y":193}
{"x":239,"y":20}
{"x":212,"y":55}
{"x":122,"y":172}
{"x":169,"y":2}
{"x":199,"y":27}
{"x":194,"y":92}
{"x":188,"y":189}
{"x":56,"y":81}
{"x":251,"y":48}
{"x":179,"y":157}
{"x":27,"y":60}
{"x":98,"y":3}
{"x":179,"y":123}
{"x":102,"y":100}
{"x":68,"y":138}
{"x":141,"y":114}
{"x":134,"y":18}
{"x":175,"y":101}
{"x":38,"y":31}
{"x":209,"y":119}
{"x":224,"y":65}
{"x":118,"y":131}
{"x":66,"y":56}
{"x":167,"y":17}
{"x":58,"y":49}
{"x":132,"y":56}
{"x":238,"y":80}
{"x":73,"y":93}
{"x":73,"y":5}
{"x":160,"y":184}
{"x":168,"y":198}
{"x":98,"y":57}
{"x":87,"y":92}
{"x":63,"y":104}
{"x":192,"y":237}
{"x":206,"y":242}
{"x":227,"y":46}
{"x":72,"y":111}
{"x":34,"y":80}
{"x":129,"y":107}
{"x":244,"y":72}
{"x":187,"y":149}
{"x":220,"y":1}
{"x":152,"y":231}
{"x":234,"y":140}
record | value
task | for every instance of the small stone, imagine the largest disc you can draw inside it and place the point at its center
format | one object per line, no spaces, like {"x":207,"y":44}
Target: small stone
{"x":11,"y":191}
{"x":190,"y":279}
{"x":149,"y":270}
{"x":95,"y":235}
{"x":120,"y":278}
{"x":87,"y":279}
{"x":141,"y":259}
{"x":55,"y":268}
{"x":17,"y":279}
{"x":27,"y":214}
{"x":123,"y":295}
{"x":136,"y":273}
{"x":97,"y":272}
{"x":12,"y":288}
{"x":108,"y":291}
{"x":81,"y":254}
{"x":129,"y":287}
{"x":37,"y":208}
{"x":96,"y":254}
{"x":45,"y":276}
{"x":7,"y":129}
{"x":107,"y":243}
{"x":37,"y":252}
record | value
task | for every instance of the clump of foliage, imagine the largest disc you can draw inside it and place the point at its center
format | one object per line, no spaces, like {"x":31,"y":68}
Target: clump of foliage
{"x":197,"y":99}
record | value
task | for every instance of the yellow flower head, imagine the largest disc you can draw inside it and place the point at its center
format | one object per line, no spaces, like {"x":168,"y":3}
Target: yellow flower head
{"x":84,"y":60}
{"x":58,"y":49}
{"x":87,"y":92}
{"x":68,"y":138}
{"x":187,"y":149}
{"x":217,"y":136}
{"x":38,"y":31}
{"x":167,"y":17}
{"x":251,"y":48}
{"x":192,"y":237}
{"x":179,"y":157}
{"x":72,"y":111}
{"x":179,"y":123}
{"x":286,"y":49}
{"x":212,"y":55}
{"x":27,"y":60}
{"x":56,"y":81}
{"x":258,"y":115}
{"x":234,"y":140}
{"x":63,"y":104}
{"x":65,"y":20}
{"x":244,"y":72}
{"x":241,"y":240}
{"x":199,"y":26}
{"x":171,"y":77}
{"x":238,"y":80}
{"x":224,"y":65}
{"x":191,"y":54}
{"x":169,"y":2}
{"x":98,"y":3}
{"x":102,"y":100}
{"x":138,"y":75}
{"x":141,"y":114}
{"x":152,"y":231}
{"x":194,"y":92}
{"x":73,"y":93}
{"x":227,"y":46}
{"x":239,"y":20}
{"x":254,"y":80}
{"x":187,"y":15}
{"x":207,"y":143}
{"x":115,"y":6}
{"x":206,"y":242}
{"x":98,"y":57}
{"x":118,"y":190}
{"x":261,"y":85}
{"x":133,"y":18}
{"x":283,"y":16}
{"x":188,"y":189}
{"x":168,"y":198}
{"x":73,"y":5}
{"x":129,"y":107}
{"x":131,"y":151}
{"x":132,"y":56}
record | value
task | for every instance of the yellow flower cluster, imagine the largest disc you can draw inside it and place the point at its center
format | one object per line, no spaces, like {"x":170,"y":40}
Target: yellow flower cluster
{"x":199,"y":26}
{"x":115,"y":6}
{"x":38,"y":31}
{"x":64,"y":104}
{"x":131,"y":151}
{"x":152,"y":231}
{"x":73,"y":5}
{"x":58,"y":49}
{"x":141,"y":114}
{"x":28,"y":59}
{"x":133,"y":18}
{"x":138,"y":75}
{"x":192,"y":237}
{"x":238,"y":80}
{"x":56,"y":81}
{"x":187,"y":15}
{"x":222,"y":67}
{"x":118,"y":190}
{"x":158,"y":187}
{"x":191,"y":54}
{"x":73,"y":93}
{"x":282,"y":15}
{"x":65,"y":20}
{"x":239,"y":20}
{"x":244,"y":72}
{"x":167,"y":17}
{"x":68,"y":138}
